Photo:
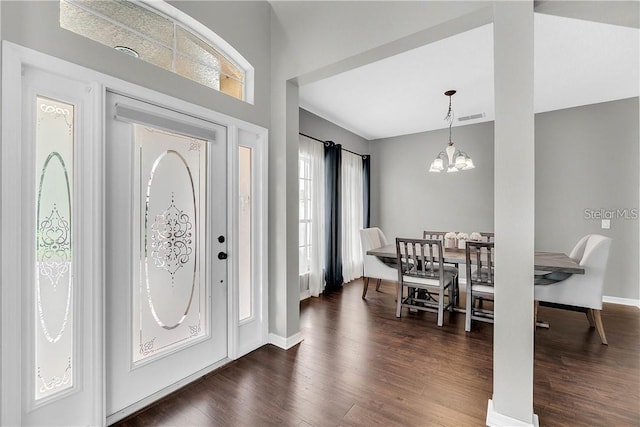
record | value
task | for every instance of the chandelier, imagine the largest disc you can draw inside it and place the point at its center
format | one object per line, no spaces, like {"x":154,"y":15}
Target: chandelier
{"x":452,"y":158}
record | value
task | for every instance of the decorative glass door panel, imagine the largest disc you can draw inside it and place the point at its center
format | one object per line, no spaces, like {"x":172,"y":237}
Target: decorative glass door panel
{"x":245,"y":270}
{"x":166,"y":292}
{"x":169,"y":299}
{"x":54,"y":323}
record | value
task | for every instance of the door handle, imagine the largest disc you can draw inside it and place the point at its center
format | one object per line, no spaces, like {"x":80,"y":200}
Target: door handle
{"x":222,"y":255}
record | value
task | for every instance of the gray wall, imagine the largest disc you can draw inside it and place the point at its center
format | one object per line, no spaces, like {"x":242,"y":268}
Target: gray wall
{"x":310,"y":40}
{"x":407,"y":199}
{"x":317,"y":127}
{"x":586,"y":158}
{"x":244,"y":25}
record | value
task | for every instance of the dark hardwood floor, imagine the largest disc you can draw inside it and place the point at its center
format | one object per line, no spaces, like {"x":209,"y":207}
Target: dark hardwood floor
{"x":359,"y":365}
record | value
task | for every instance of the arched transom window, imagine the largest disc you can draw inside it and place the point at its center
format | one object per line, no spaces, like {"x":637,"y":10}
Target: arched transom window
{"x":160,"y":34}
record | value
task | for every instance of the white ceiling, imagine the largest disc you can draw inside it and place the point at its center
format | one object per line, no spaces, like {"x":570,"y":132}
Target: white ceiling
{"x":576,"y":63}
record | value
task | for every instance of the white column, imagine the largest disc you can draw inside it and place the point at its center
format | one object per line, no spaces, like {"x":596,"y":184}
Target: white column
{"x":512,"y":402}
{"x":284,"y":287}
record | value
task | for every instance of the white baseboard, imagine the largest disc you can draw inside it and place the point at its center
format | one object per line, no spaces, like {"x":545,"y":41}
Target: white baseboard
{"x":495,"y":419}
{"x":119,"y":415}
{"x":285,"y":343}
{"x":622,"y":301}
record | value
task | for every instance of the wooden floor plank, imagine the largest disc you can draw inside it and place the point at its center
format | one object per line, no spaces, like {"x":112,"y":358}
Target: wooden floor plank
{"x":361,"y":366}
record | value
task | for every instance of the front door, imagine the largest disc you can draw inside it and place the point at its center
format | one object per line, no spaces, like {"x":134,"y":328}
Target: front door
{"x":166,"y":274}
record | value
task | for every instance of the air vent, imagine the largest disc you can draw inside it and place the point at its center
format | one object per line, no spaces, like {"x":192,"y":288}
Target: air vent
{"x":471,"y":117}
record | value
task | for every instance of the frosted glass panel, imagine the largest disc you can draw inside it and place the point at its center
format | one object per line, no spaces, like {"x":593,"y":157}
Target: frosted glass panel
{"x":131,"y":15}
{"x":245,"y":295}
{"x":207,"y":75}
{"x":169,"y":295}
{"x":53,"y":293}
{"x":193,"y":46}
{"x":85,"y":23}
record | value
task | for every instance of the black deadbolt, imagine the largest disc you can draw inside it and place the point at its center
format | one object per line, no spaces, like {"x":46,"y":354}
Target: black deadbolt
{"x":222,"y":255}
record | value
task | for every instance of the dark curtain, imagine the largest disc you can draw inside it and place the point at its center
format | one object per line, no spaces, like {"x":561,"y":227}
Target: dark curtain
{"x":332,"y":216}
{"x":366,"y":190}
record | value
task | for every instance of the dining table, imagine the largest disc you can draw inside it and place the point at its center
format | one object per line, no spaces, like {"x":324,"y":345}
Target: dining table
{"x":547,"y":262}
{"x":544,"y":263}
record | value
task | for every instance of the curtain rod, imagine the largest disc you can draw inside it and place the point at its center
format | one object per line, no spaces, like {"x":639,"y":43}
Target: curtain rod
{"x":364,"y":156}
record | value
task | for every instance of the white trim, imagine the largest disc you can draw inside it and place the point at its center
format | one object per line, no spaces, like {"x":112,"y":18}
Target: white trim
{"x":16,"y":399}
{"x":495,"y":419}
{"x":285,"y":343}
{"x":622,"y":301}
{"x":11,"y":369}
{"x":123,"y":413}
{"x":253,"y":332}
{"x":232,"y":226}
{"x":14,"y":58}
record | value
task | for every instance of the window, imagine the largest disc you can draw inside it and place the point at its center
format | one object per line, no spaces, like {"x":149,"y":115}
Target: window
{"x":311,"y":235}
{"x":245,"y":270}
{"x":165,"y":38}
{"x":304,"y":240}
{"x":54,"y":247}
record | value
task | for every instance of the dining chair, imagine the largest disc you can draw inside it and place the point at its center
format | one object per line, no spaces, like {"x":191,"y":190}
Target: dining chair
{"x":579,"y":292}
{"x":490,"y":237}
{"x":439,"y":235}
{"x":429,"y":287}
{"x":374,"y":268}
{"x":451,"y":267}
{"x":480,"y":281}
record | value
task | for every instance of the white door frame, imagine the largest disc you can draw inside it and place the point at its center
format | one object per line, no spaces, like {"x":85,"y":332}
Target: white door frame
{"x":14,"y":58}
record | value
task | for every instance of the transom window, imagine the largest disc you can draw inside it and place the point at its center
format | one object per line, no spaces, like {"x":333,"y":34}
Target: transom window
{"x":165,"y":38}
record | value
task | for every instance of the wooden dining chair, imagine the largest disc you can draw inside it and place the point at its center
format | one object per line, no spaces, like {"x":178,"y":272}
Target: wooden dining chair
{"x":423,"y":282}
{"x":480,"y":281}
{"x":450,"y":267}
{"x":437,"y":235}
{"x":490,"y":237}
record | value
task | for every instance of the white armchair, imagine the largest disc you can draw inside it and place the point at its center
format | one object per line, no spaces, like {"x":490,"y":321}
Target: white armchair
{"x":582,"y":292}
{"x":374,"y":268}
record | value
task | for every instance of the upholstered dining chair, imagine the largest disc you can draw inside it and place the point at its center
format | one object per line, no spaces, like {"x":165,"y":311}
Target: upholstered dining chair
{"x":374,"y":268}
{"x":428,"y":286}
{"x":579,"y":292}
{"x":480,"y":281}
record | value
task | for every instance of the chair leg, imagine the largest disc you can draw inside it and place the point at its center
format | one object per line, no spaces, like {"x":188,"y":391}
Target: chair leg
{"x":441,"y":307}
{"x":590,"y":318}
{"x":468,"y":311}
{"x":378,"y":285}
{"x":399,"y":300}
{"x":366,"y":286}
{"x":599,"y":326}
{"x":536,"y":304}
{"x":452,"y":297}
